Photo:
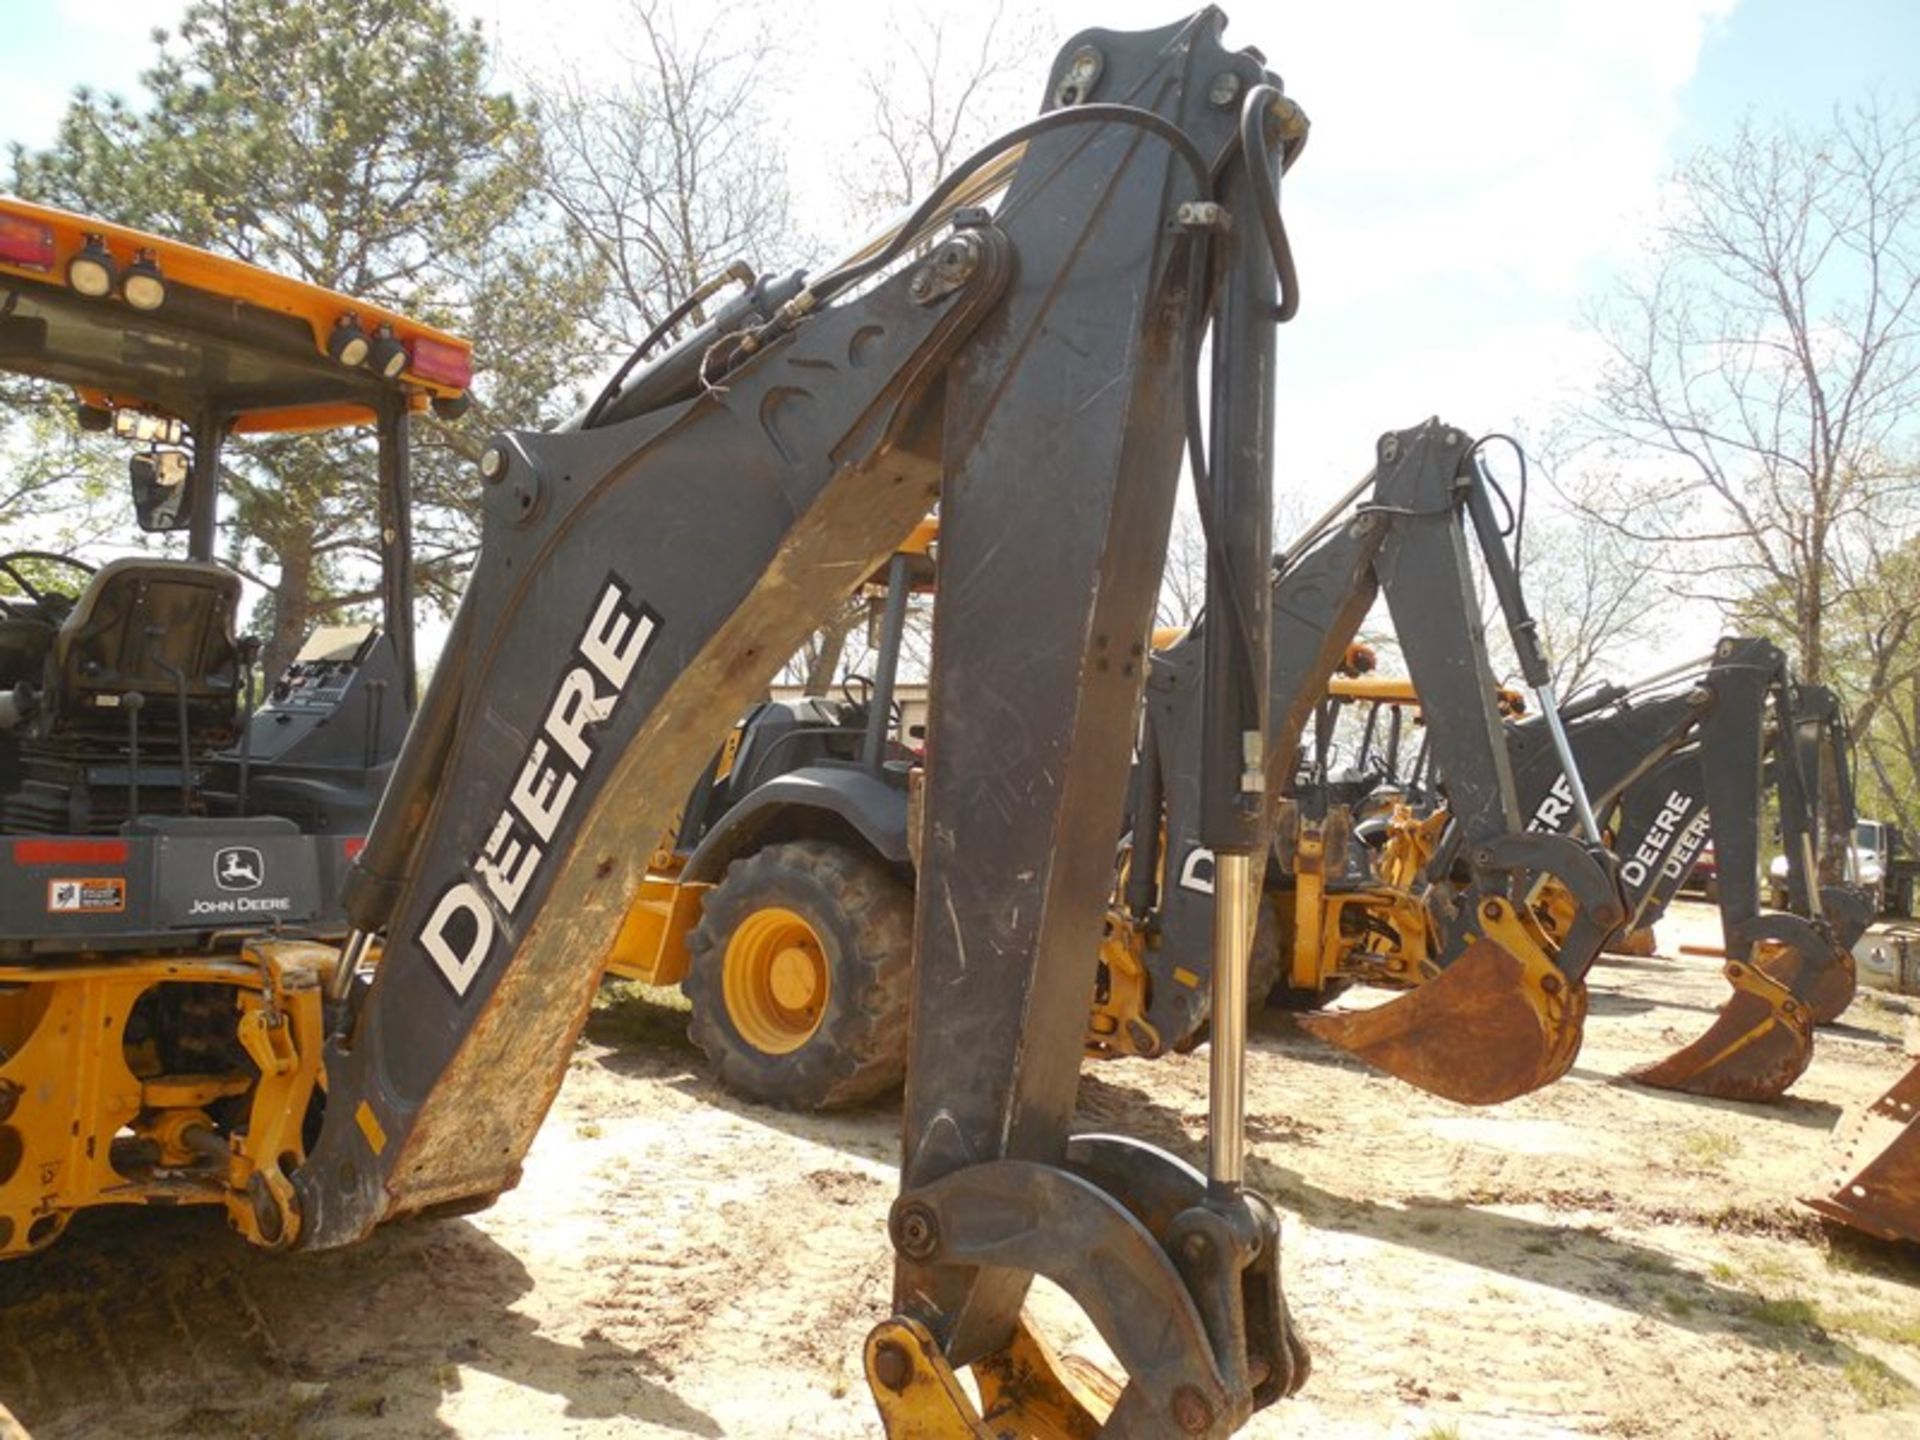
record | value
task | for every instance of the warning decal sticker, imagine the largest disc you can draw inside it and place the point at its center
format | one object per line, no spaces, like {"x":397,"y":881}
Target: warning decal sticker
{"x":87,"y":897}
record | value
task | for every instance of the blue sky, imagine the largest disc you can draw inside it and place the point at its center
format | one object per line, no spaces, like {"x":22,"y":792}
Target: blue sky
{"x":1799,"y":58}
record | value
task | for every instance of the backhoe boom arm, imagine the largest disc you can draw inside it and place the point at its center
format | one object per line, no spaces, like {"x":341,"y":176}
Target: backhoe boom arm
{"x":644,"y":576}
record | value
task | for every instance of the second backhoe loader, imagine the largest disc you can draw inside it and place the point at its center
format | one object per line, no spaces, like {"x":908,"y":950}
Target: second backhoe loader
{"x":1838,"y":898}
{"x":1671,"y":768}
{"x":643,"y":573}
{"x":1503,"y":1001}
{"x":781,"y":898}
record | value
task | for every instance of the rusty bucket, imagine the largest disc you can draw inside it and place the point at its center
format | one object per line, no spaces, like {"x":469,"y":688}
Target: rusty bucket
{"x":1879,"y":1186}
{"x":1757,"y":1046}
{"x":1488,"y":1028}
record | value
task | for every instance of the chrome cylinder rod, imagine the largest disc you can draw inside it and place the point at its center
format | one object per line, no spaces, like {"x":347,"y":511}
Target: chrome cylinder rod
{"x":1684,"y":667}
{"x":1563,"y":749}
{"x":1286,"y":559}
{"x":1810,"y":867}
{"x":1227,"y":1075}
{"x":340,"y":983}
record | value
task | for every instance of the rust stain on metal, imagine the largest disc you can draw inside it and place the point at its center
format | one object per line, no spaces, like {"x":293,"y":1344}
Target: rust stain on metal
{"x":1478,"y":1033}
{"x":1824,"y":983}
{"x":1757,"y":1046}
{"x":1879,"y":1187}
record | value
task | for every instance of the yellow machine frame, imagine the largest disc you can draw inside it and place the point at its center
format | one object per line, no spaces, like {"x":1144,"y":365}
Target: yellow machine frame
{"x":75,"y":1094}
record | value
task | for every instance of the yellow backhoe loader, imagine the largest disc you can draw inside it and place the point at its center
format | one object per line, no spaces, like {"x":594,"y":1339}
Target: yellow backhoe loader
{"x":1033,"y":367}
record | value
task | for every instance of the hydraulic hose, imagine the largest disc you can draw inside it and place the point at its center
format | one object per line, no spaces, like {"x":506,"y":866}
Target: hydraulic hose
{"x":1100,"y":114}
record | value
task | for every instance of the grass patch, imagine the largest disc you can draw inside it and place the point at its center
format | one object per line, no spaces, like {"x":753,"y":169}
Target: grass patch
{"x":1875,"y":1325}
{"x":588,"y":1130}
{"x":1709,"y":1149}
{"x":1877,"y":1386}
{"x":1784,"y":1314}
{"x":628,"y":1013}
{"x":1676,"y":1304}
{"x":1441,"y":1430}
{"x":1772,"y":1267}
{"x":1723,"y":1272}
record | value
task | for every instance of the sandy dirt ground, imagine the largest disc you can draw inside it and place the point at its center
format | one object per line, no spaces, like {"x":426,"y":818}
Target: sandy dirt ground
{"x":1597,"y":1259}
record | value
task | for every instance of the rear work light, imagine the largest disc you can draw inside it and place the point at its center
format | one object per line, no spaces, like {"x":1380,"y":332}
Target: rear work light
{"x":144,"y":288}
{"x":92,"y":272}
{"x":388,"y":356}
{"x":441,"y":363}
{"x":348,"y":343}
{"x":26,"y":243}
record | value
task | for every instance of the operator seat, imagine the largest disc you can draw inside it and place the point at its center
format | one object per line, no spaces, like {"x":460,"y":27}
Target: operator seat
{"x":159,"y":627}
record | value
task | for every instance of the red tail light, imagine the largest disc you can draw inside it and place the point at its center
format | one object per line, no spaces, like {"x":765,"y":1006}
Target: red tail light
{"x":26,"y":243}
{"x":69,"y":852}
{"x":440,"y":362}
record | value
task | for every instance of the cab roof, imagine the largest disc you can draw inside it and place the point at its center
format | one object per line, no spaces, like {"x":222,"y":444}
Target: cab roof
{"x":228,"y":337}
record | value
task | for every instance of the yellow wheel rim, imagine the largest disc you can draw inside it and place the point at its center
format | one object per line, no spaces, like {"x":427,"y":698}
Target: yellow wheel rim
{"x":774,"y":979}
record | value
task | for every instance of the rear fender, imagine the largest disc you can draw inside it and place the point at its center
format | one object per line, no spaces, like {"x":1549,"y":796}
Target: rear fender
{"x":871,"y":808}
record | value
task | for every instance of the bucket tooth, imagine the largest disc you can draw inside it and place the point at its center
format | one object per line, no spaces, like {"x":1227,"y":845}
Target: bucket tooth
{"x":1757,"y":1046}
{"x":1488,"y":1028}
{"x":1878,"y":1189}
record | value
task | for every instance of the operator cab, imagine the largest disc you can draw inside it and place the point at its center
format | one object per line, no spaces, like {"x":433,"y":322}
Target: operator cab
{"x":154,"y":788}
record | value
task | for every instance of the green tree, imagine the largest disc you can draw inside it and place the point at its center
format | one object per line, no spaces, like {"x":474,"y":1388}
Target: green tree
{"x":1762,"y":376}
{"x":56,"y":491}
{"x":1759,"y":396}
{"x":355,"y":144}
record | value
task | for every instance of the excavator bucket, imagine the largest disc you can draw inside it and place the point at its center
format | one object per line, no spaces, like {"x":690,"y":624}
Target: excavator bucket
{"x":1882,"y":1195}
{"x":1488,"y":1028}
{"x":1823,"y":981}
{"x":1758,"y":1045}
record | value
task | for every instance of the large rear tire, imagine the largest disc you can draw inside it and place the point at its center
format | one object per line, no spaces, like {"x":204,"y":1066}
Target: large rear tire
{"x":801,"y":976}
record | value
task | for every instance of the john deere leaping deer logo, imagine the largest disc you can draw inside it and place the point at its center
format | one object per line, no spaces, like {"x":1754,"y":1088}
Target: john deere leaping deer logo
{"x":238,"y":867}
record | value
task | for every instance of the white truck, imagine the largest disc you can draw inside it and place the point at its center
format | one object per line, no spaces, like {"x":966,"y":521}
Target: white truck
{"x":1880,"y":867}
